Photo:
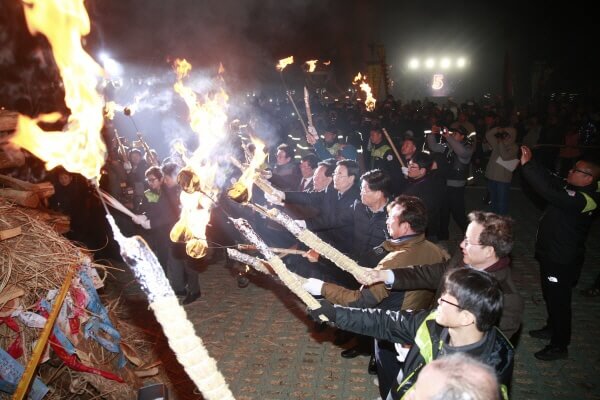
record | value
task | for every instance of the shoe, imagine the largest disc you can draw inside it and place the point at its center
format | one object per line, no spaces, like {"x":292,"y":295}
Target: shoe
{"x":590,"y":292}
{"x":242,"y":281}
{"x":190,"y":298}
{"x":372,"y":369}
{"x":551,"y":353}
{"x":352,"y":352}
{"x":544,"y":333}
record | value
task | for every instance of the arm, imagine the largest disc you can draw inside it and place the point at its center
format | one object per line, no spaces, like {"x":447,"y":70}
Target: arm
{"x":463,"y":152}
{"x":433,"y":145}
{"x":321,"y":150}
{"x":420,"y":276}
{"x":366,"y":297}
{"x":543,"y":183}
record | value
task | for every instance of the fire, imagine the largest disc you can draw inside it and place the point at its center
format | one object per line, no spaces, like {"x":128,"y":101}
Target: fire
{"x":79,"y":146}
{"x":258,"y":158}
{"x":109,"y":109}
{"x":364,"y":86}
{"x":326,"y":62}
{"x":284,"y":62}
{"x":312,"y":65}
{"x":208,"y":120}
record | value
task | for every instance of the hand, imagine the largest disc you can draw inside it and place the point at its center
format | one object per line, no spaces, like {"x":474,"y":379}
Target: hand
{"x":139,"y":219}
{"x":146,"y":224}
{"x":405,"y":171}
{"x":526,"y":155}
{"x":301,"y":223}
{"x":313,"y":135}
{"x":313,"y":286}
{"x":373,"y":276}
{"x":311,"y":255}
{"x":276,"y":197}
{"x":327,"y":309}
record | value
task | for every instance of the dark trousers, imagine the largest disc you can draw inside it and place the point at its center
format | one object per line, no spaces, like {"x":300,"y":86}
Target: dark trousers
{"x":557,"y":282}
{"x":453,"y":205}
{"x":388,"y":366}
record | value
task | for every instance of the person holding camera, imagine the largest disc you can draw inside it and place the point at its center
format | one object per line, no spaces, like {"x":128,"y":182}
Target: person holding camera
{"x":503,"y":161}
{"x":458,"y":151}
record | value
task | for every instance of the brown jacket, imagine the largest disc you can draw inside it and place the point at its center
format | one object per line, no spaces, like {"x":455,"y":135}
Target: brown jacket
{"x":415,"y":250}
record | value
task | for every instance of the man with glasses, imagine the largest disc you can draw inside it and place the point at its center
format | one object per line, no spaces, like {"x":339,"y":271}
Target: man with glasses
{"x":560,"y":243}
{"x":486,"y":247}
{"x":464,"y":322}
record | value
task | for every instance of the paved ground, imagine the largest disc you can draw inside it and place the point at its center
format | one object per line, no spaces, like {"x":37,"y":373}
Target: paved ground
{"x":266,"y":346}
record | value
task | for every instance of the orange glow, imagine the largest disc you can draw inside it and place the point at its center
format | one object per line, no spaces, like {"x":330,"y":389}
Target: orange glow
{"x":326,"y":62}
{"x":312,"y":65}
{"x":364,"y":86}
{"x":109,"y":110}
{"x":208,"y":120}
{"x":79,"y":146}
{"x":284,"y":62}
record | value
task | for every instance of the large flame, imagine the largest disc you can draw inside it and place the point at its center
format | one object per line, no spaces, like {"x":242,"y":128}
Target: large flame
{"x":208,"y":120}
{"x":312,"y":65}
{"x":79,"y":147}
{"x":364,"y":86}
{"x":284,"y":62}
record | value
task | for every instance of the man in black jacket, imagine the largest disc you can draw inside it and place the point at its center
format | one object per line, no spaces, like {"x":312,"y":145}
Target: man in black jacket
{"x":470,"y":306}
{"x":560,"y":243}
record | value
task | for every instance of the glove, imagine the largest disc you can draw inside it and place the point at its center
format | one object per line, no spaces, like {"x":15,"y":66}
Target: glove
{"x":405,"y":171}
{"x":139,"y":219}
{"x":313,"y":137}
{"x":327,"y":309}
{"x":313,"y":286}
{"x":275,"y":198}
{"x":301,"y":223}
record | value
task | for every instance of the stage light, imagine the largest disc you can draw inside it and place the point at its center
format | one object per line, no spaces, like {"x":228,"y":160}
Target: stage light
{"x":413,"y":64}
{"x":429,"y":63}
{"x":445,"y":63}
{"x":461,"y":62}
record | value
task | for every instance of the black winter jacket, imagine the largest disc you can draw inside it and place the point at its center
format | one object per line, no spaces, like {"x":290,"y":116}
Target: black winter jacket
{"x":428,"y":339}
{"x":566,"y":222}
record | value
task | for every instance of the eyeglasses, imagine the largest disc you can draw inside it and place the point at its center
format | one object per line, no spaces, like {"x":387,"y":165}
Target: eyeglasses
{"x":441,"y":300}
{"x":580,"y":171}
{"x":414,"y":166}
{"x":151,"y":179}
{"x":467,"y":243}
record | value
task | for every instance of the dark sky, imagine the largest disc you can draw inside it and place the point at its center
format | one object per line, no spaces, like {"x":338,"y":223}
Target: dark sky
{"x":249,"y":36}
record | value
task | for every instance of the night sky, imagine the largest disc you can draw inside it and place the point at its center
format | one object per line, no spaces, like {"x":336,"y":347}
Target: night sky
{"x":249,"y":36}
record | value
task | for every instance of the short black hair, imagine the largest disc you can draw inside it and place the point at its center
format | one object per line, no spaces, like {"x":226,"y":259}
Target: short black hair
{"x":497,"y":231}
{"x":289,"y":152}
{"x":329,"y":164}
{"x":311,"y":159}
{"x":154,"y":171}
{"x":351,"y":166}
{"x":378,"y":180}
{"x":423,"y":160}
{"x":170,"y":169}
{"x":415,"y":212}
{"x":477,"y":292}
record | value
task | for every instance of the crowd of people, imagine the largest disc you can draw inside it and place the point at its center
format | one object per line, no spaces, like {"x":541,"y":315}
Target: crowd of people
{"x":382,"y":187}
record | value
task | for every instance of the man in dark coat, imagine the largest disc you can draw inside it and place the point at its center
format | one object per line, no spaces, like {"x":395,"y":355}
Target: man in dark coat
{"x":560,"y":243}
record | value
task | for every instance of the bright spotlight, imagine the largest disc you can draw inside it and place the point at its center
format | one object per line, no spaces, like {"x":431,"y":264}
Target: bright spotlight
{"x":461,"y":62}
{"x":430,"y":63}
{"x":445,"y":63}
{"x":413,"y":64}
{"x":103,"y":56}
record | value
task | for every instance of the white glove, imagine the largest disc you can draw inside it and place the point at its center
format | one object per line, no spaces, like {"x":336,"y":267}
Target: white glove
{"x":405,"y":171}
{"x":313,"y":135}
{"x":313,"y":286}
{"x":276,"y":198}
{"x":139,"y":219}
{"x":301,"y":223}
{"x":146,"y":224}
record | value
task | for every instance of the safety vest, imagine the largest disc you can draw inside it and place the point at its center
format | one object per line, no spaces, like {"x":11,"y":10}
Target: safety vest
{"x":151,"y":196}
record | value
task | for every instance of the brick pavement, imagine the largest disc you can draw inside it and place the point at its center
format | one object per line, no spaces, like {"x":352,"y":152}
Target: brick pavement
{"x":266,"y":346}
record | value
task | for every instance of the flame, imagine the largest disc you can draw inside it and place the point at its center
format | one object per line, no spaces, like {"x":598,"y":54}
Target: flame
{"x":284,"y":62}
{"x":79,"y":146}
{"x":208,"y":120}
{"x":364,"y":86}
{"x":312,"y":65}
{"x":327,"y":62}
{"x":221,"y":70}
{"x":109,"y":110}
{"x":258,"y":158}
